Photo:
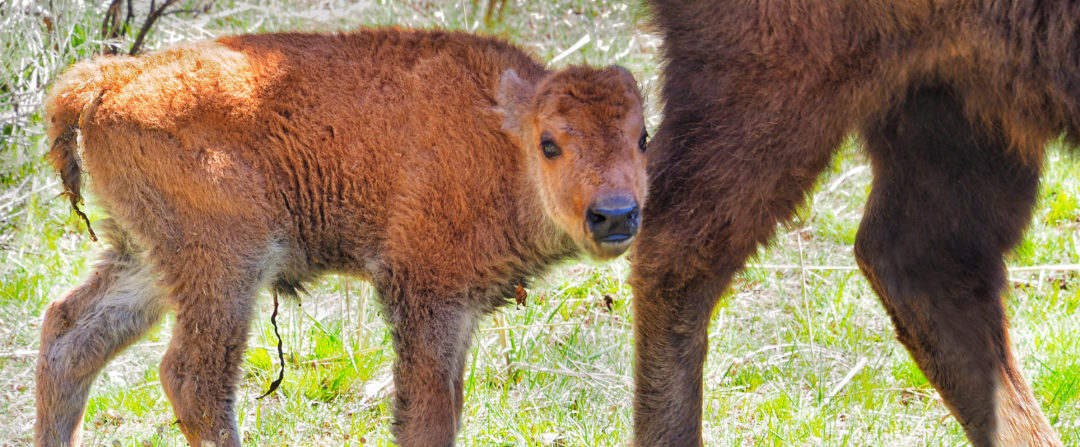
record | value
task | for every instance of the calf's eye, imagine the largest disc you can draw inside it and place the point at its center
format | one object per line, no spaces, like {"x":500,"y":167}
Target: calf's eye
{"x":644,"y":138}
{"x":548,"y":147}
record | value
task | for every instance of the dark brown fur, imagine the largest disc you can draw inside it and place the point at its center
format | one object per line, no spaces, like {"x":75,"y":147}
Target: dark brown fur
{"x":954,"y":99}
{"x":411,"y":159}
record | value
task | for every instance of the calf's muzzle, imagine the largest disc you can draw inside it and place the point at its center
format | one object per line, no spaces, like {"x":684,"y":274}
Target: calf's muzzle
{"x":613,"y":220}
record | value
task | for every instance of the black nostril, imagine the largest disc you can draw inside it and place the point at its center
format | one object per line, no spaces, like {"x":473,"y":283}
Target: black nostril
{"x":613,"y":220}
{"x":595,"y":218}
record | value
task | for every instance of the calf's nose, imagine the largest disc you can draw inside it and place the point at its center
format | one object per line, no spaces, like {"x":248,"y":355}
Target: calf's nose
{"x":614,"y":219}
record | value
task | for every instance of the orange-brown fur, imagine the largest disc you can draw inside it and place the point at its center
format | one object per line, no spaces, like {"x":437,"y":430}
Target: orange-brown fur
{"x":408,"y":158}
{"x":954,"y":99}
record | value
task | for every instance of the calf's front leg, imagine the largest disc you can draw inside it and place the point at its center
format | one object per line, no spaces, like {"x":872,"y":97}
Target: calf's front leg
{"x":431,"y":338}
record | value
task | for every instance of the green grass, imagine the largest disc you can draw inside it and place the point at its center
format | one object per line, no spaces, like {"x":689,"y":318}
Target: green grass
{"x":558,"y":370}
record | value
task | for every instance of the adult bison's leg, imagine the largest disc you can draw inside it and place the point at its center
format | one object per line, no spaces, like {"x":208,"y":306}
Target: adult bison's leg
{"x":671,"y":318}
{"x":214,"y":290}
{"x":948,"y":199}
{"x":82,"y":332}
{"x":432,"y":338}
{"x":725,"y":167}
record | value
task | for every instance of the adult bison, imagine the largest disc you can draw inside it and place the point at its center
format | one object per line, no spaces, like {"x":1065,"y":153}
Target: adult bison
{"x":445,"y":168}
{"x":954,"y":101}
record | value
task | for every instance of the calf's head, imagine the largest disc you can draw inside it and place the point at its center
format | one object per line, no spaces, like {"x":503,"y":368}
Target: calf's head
{"x":584,"y":136}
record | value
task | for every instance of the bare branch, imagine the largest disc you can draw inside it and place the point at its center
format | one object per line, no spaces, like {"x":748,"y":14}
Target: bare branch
{"x":112,"y":28}
{"x":155,"y":13}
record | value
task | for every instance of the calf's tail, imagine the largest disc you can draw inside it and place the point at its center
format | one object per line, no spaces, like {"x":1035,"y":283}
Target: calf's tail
{"x":65,"y":106}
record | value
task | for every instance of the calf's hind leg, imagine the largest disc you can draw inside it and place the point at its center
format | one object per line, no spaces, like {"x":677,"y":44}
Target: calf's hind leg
{"x":949,"y":198}
{"x":214,"y":299}
{"x":82,"y":332}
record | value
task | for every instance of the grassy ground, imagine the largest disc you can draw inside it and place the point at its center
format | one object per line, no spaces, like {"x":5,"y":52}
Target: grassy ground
{"x":801,"y":353}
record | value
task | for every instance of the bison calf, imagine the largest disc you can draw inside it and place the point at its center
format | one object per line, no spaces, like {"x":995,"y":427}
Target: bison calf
{"x":445,"y":168}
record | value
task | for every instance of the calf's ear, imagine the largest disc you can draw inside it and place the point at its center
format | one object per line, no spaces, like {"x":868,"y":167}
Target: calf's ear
{"x":627,"y":78}
{"x":515,"y":98}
